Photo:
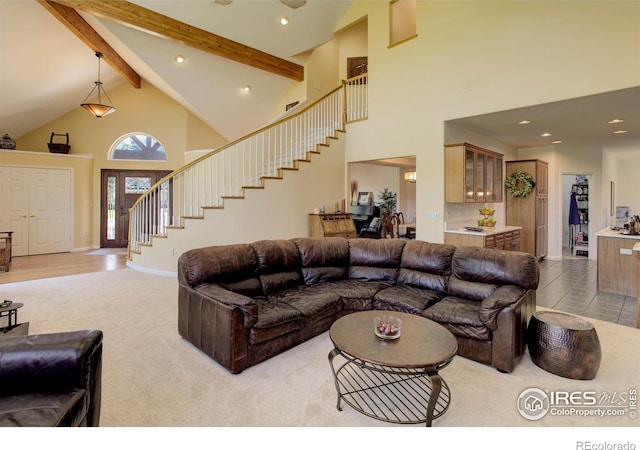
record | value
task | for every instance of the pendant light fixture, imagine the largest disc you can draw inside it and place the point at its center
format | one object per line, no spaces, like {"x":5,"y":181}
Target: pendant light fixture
{"x":98,"y":109}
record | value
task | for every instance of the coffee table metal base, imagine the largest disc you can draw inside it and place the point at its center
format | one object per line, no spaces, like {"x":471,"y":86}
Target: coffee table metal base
{"x":395,"y":395}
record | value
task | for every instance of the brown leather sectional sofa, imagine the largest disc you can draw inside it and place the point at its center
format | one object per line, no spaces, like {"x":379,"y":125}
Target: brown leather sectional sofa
{"x":244,"y":303}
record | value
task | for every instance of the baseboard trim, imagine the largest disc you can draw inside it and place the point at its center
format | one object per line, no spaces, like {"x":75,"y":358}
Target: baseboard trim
{"x":163,"y":273}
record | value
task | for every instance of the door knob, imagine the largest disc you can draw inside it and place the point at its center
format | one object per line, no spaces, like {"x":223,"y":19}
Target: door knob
{"x":32,"y":215}
{"x":24,"y":216}
{"x":122,"y":211}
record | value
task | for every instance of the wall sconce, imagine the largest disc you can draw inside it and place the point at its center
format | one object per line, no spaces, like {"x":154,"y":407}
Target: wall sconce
{"x":410,"y":177}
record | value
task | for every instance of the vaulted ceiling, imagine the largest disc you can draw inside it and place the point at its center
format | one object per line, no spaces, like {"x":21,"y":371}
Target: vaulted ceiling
{"x":48,"y":50}
{"x":49,"y":66}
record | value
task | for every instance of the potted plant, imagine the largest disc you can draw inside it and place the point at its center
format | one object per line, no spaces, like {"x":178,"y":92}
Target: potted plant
{"x":388,"y":202}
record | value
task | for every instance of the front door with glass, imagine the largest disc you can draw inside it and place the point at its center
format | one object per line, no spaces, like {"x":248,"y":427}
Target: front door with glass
{"x":120,"y":190}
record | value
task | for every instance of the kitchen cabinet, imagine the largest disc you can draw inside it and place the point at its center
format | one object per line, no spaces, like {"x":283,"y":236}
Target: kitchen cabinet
{"x":530,"y":212}
{"x":617,"y":266}
{"x":331,"y":225}
{"x":472,"y":174}
{"x":503,"y":238}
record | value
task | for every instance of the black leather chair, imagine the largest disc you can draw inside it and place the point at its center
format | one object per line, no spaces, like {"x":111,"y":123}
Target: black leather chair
{"x":379,"y":229}
{"x":51,"y":380}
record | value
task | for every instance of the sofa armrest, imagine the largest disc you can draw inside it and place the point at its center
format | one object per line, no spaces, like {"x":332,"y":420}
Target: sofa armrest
{"x":216,"y":321}
{"x":509,"y":339}
{"x":220,"y":294}
{"x":54,"y":363}
{"x":501,"y":298}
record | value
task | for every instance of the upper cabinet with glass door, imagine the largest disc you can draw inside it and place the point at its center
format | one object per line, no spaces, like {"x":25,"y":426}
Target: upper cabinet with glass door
{"x":472,"y":174}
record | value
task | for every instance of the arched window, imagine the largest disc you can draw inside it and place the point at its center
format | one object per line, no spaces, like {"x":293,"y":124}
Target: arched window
{"x":137,"y":146}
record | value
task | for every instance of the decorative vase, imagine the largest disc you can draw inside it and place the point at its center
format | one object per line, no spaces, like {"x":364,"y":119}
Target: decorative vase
{"x":8,"y":143}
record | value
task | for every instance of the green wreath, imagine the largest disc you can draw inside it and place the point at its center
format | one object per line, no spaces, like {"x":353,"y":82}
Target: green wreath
{"x":520,"y":184}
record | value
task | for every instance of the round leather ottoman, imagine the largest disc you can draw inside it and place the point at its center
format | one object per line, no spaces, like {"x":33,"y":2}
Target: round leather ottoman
{"x":564,"y":345}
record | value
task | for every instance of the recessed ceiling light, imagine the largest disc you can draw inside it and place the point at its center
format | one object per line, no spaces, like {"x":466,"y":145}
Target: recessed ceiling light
{"x":545,"y":134}
{"x":524,"y":122}
{"x":557,"y":142}
{"x":616,"y":121}
{"x":284,"y":20}
{"x":246,"y":88}
{"x":179,"y":59}
{"x":619,"y":131}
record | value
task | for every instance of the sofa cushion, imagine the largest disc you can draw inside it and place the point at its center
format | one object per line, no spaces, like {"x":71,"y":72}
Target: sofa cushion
{"x":274,"y":319}
{"x":233,"y":266}
{"x":375,"y":259}
{"x":470,"y":290}
{"x":313,"y":306}
{"x":323,"y":259}
{"x":356,"y":295}
{"x":406,"y":298}
{"x":278,"y":264}
{"x":38,"y":409}
{"x":460,"y":316}
{"x":426,"y":265}
{"x":497,"y":267}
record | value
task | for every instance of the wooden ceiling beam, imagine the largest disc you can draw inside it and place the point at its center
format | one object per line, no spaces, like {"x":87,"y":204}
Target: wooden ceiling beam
{"x":78,"y":26}
{"x":142,"y":18}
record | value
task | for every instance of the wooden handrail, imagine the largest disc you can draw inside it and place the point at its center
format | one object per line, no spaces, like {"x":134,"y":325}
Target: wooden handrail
{"x":227,"y":171}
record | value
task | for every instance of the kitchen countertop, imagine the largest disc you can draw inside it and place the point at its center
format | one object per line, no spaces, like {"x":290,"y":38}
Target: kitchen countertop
{"x":608,"y":232}
{"x":486,"y":231}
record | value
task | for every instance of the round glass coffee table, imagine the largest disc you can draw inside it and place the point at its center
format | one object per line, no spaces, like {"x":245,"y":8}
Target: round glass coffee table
{"x":394,"y":380}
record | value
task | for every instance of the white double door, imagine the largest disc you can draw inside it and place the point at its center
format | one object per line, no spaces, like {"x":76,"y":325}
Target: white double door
{"x":35,"y":203}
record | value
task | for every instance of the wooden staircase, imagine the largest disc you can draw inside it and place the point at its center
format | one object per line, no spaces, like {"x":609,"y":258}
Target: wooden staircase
{"x":230,"y":173}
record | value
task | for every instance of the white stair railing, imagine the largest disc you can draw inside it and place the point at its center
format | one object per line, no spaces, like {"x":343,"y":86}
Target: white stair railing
{"x":244,"y":164}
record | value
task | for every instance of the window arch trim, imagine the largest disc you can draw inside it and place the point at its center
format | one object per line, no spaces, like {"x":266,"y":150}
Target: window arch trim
{"x":137,"y":146}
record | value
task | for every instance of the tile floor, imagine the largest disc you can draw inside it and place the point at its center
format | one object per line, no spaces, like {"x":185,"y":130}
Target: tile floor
{"x":570,"y":285}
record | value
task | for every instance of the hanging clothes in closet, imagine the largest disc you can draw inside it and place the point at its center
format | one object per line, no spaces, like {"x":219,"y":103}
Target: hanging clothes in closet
{"x":574,"y":219}
{"x":574,"y":216}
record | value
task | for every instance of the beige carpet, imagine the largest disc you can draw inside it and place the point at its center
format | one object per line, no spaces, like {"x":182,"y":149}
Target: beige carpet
{"x":153,"y":378}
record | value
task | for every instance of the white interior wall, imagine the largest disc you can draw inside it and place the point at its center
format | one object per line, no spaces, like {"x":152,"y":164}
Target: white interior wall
{"x":407,"y":197}
{"x":463,"y":72}
{"x":374,"y":178}
{"x":627,"y":186}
